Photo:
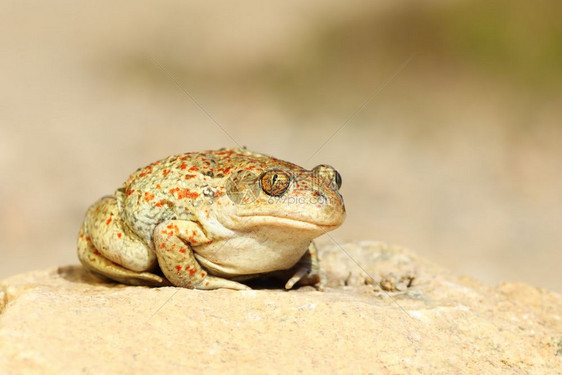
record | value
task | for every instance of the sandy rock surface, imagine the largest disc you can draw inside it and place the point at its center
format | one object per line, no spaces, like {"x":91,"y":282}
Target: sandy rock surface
{"x":384,"y":311}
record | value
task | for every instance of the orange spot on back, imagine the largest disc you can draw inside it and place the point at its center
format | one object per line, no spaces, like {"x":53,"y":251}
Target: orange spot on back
{"x":108,"y":220}
{"x":147,"y":170}
{"x":187,"y":194}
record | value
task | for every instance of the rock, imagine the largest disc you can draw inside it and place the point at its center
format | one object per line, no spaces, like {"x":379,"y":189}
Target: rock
{"x":383,"y":310}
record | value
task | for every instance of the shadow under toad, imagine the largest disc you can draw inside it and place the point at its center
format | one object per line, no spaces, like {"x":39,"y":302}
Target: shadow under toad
{"x":79,"y":274}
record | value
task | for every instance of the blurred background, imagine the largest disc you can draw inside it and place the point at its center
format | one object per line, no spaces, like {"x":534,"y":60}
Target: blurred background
{"x":443,"y":117}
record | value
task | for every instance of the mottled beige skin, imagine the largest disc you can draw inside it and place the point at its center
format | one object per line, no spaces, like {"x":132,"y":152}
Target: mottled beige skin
{"x":207,"y":221}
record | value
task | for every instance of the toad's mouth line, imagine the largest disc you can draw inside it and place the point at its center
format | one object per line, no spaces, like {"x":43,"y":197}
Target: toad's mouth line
{"x":281,"y":221}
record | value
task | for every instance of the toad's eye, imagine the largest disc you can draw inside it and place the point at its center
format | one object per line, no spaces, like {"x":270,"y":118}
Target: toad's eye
{"x":327,"y":176}
{"x":275,"y":182}
{"x":338,"y":179}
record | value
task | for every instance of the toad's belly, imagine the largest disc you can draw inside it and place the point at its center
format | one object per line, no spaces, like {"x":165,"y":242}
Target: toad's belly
{"x":247,"y":255}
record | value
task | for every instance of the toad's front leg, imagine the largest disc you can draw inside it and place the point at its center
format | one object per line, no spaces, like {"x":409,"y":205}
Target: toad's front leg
{"x":173,"y":241}
{"x":307,"y":270}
